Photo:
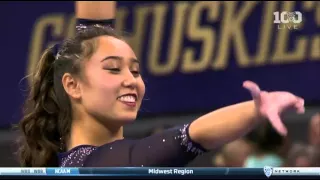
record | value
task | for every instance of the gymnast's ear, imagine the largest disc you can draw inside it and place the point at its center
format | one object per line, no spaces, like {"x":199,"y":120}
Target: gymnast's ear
{"x":71,"y":85}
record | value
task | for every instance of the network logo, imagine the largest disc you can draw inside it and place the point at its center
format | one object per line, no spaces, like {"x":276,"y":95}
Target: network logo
{"x":268,"y":171}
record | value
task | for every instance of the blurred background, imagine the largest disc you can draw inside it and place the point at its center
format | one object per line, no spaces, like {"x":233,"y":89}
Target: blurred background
{"x":195,"y":56}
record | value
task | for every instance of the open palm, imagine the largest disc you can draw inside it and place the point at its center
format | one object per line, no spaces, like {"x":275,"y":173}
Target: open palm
{"x":270,"y":105}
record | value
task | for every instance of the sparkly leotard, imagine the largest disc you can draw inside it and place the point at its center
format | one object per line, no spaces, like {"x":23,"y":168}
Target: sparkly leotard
{"x":172,"y":148}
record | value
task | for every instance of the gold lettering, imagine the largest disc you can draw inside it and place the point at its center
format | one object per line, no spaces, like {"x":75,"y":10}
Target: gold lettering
{"x":315,"y":41}
{"x":176,"y":43}
{"x":71,"y":26}
{"x":313,"y":5}
{"x":38,"y":37}
{"x":121,"y":16}
{"x":137,"y":37}
{"x":317,"y":14}
{"x":308,"y":5}
{"x":158,"y":21}
{"x":315,"y":48}
{"x":265,"y":36}
{"x":206,"y":35}
{"x":232,"y":29}
{"x":281,"y":54}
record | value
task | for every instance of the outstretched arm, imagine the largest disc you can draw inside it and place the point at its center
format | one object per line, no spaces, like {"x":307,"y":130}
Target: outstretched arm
{"x":178,"y":146}
{"x":224,"y":125}
{"x":231,"y":122}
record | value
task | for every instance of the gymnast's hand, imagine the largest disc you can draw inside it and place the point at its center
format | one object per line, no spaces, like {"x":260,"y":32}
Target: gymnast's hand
{"x":270,"y":105}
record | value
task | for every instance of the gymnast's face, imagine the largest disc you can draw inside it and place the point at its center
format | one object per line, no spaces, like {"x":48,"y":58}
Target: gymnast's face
{"x":113,"y":88}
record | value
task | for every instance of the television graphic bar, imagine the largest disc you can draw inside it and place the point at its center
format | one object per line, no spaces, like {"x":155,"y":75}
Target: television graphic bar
{"x":172,"y":171}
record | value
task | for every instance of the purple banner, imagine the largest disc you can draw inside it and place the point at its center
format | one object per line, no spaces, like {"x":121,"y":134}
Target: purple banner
{"x":195,"y":56}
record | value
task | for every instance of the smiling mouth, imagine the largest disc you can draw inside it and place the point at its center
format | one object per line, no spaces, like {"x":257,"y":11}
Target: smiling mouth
{"x":128,"y":98}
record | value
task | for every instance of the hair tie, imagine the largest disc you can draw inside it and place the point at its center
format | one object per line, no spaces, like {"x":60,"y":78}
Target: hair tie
{"x":90,"y":22}
{"x":83,"y":27}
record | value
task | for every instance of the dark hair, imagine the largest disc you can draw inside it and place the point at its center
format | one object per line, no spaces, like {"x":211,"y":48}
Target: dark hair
{"x":266,"y":138}
{"x":47,"y":118}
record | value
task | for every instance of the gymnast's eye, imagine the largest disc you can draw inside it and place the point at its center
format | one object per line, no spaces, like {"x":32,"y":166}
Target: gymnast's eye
{"x":135,"y":69}
{"x":136,"y":73}
{"x":114,"y":70}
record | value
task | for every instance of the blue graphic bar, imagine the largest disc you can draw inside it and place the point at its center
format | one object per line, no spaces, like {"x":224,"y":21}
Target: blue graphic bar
{"x":156,"y":172}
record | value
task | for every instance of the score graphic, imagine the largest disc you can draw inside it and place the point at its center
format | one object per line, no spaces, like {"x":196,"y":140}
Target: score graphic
{"x":287,"y":20}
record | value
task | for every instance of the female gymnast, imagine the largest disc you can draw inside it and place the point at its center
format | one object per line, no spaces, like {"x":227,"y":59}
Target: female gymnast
{"x":84,"y":91}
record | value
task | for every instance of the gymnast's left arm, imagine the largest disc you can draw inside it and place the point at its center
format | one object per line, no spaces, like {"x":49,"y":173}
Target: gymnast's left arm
{"x":232,"y":122}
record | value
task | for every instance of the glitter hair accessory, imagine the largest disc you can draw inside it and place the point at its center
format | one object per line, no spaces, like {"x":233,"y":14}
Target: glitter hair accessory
{"x":82,"y":27}
{"x":79,"y":28}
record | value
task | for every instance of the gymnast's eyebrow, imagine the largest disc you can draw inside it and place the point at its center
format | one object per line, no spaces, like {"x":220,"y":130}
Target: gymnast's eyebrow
{"x":112,"y":57}
{"x":120,"y":59}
